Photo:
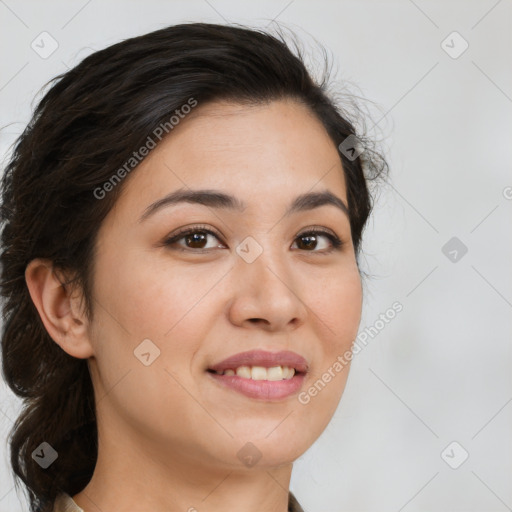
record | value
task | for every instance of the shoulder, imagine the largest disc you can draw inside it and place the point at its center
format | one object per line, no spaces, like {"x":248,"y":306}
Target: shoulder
{"x":64,"y":503}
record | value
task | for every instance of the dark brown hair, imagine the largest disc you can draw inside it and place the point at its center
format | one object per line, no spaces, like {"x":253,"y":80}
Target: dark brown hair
{"x":84,"y":129}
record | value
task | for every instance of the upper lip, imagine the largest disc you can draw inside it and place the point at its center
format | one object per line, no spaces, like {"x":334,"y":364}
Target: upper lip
{"x":263,"y":358}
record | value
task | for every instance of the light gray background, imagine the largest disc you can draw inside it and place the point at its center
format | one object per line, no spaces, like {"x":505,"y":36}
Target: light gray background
{"x":441,"y":370}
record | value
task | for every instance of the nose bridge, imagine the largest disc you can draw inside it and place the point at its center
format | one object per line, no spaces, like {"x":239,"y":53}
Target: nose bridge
{"x":265,"y":288}
{"x":263,"y":262}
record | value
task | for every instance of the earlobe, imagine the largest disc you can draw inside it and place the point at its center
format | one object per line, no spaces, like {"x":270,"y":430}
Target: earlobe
{"x":56,"y":307}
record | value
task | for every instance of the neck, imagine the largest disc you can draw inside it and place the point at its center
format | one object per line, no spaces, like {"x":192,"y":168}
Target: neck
{"x":132,"y":476}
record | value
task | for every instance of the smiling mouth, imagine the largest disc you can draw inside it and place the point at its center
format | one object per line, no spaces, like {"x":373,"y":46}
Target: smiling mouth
{"x":274,"y":373}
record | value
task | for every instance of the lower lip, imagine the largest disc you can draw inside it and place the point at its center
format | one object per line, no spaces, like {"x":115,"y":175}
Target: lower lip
{"x":263,"y":389}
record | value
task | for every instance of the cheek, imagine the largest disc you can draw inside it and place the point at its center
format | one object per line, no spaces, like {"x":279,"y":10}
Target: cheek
{"x":338,"y":313}
{"x":348,"y":313}
{"x":338,"y":305}
{"x":152,"y":296}
{"x":139,"y":301}
{"x":153,"y":300}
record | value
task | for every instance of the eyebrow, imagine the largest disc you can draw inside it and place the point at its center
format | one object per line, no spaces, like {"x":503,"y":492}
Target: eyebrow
{"x":218,"y":199}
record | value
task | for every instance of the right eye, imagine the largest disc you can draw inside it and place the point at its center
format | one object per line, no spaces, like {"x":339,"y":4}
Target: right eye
{"x":194,"y":239}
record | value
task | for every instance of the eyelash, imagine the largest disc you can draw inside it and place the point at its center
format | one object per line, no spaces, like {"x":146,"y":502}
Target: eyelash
{"x":336,"y":242}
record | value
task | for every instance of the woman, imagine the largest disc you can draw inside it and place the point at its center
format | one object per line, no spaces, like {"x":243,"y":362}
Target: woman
{"x":182,"y":220}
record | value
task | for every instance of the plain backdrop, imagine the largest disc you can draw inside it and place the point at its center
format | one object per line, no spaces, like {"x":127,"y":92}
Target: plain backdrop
{"x":434,"y":385}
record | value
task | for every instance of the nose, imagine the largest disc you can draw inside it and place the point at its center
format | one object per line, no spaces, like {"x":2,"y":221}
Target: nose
{"x":265,"y":294}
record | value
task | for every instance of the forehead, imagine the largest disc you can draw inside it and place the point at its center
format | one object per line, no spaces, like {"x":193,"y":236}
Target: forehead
{"x":269,"y":152}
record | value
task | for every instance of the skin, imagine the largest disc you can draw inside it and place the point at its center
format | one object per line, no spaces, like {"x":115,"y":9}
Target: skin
{"x":168,"y":434}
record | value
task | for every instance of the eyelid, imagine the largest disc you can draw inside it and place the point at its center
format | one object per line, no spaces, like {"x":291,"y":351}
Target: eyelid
{"x":182,"y":232}
{"x":195,"y":227}
{"x":319,"y":229}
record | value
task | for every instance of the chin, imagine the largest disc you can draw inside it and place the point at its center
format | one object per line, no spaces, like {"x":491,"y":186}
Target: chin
{"x":269,"y":452}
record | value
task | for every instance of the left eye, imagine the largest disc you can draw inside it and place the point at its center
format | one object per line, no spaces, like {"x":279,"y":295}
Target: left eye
{"x":311,"y":238}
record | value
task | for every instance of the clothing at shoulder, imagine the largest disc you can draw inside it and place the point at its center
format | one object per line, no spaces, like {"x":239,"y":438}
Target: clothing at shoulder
{"x":65,"y":503}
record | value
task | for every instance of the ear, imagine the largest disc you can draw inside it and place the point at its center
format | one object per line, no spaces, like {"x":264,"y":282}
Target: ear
{"x":59,"y":310}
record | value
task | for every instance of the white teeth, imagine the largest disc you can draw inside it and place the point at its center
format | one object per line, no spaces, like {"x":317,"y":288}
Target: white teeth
{"x":276,"y":373}
{"x":291,"y":372}
{"x":258,"y":373}
{"x":244,"y":371}
{"x":261,"y":373}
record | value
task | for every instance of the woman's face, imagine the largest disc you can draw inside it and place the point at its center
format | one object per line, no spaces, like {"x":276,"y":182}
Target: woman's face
{"x":166,"y":313}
